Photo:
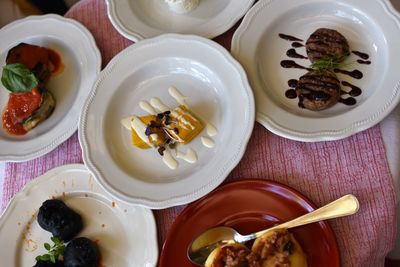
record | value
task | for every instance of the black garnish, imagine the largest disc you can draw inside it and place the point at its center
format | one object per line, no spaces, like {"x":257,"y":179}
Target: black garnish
{"x":176,"y":131}
{"x":167,"y":120}
{"x":289,"y":247}
{"x":161,"y":150}
{"x":160,"y":115}
{"x":172,"y":145}
{"x":148,"y":131}
{"x":167,"y":112}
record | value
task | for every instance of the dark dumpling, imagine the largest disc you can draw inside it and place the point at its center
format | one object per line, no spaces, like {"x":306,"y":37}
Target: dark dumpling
{"x":56,"y":217}
{"x":81,"y":252}
{"x":49,"y":264}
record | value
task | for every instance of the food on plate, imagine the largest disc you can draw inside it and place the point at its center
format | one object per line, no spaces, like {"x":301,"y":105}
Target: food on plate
{"x":230,"y":255}
{"x":178,"y":125}
{"x":64,"y":223}
{"x":182,"y":6}
{"x":166,"y":128}
{"x":327,"y":43}
{"x":81,"y":252}
{"x":277,"y":248}
{"x":49,"y":264}
{"x":53,"y":256}
{"x":56,"y":217}
{"x":26,"y":73}
{"x":318,"y":90}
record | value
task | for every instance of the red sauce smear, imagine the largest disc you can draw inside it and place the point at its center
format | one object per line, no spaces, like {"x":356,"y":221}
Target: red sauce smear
{"x":20,"y":106}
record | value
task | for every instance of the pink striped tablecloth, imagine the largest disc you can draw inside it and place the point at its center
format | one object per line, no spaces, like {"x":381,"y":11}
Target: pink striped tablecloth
{"x":323,"y":171}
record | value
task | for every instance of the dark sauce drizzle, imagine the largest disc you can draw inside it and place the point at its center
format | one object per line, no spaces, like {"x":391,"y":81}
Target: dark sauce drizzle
{"x":356,"y":74}
{"x":289,"y":37}
{"x":297,"y":44}
{"x":355,"y":91}
{"x":293,"y":54}
{"x":361,"y":54}
{"x":292,"y":83}
{"x":350,"y":101}
{"x":366,"y":62}
{"x":292,"y":64}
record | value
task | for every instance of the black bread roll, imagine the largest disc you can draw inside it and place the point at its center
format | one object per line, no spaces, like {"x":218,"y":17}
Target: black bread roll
{"x":56,"y":217}
{"x":81,"y":252}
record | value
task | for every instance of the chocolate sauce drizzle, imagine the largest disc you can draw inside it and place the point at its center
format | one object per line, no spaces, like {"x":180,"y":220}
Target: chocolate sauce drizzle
{"x":297,"y":45}
{"x":356,"y":74}
{"x":289,"y":37}
{"x":361,"y":54}
{"x":291,"y":93}
{"x":290,"y":64}
{"x":293,"y":54}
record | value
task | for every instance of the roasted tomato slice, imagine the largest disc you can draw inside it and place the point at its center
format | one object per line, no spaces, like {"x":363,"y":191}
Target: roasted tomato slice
{"x":22,"y":105}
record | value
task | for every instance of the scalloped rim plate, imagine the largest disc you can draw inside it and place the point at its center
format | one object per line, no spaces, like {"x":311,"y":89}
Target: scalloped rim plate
{"x":142,"y":19}
{"x":126,"y":234}
{"x":217,"y":91}
{"x":369,"y":26}
{"x":82,"y":62}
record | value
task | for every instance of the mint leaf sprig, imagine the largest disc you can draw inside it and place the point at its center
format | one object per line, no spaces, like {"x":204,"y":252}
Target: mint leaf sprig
{"x":54,"y":251}
{"x":329,"y":63}
{"x":17,"y":77}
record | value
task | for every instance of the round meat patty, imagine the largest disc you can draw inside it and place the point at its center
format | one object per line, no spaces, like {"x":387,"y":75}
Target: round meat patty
{"x":318,"y":90}
{"x":325,"y":43}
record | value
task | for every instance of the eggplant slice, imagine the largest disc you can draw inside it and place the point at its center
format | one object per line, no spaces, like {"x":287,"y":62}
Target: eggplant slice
{"x":45,"y":109}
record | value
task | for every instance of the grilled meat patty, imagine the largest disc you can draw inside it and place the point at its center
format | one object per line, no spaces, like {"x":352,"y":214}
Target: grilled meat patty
{"x":318,"y":90}
{"x":324,"y":43}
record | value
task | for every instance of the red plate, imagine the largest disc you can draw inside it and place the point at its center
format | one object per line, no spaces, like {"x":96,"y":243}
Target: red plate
{"x":249,"y":206}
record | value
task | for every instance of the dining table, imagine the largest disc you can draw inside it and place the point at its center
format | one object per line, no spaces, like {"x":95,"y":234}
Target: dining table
{"x":364,"y":164}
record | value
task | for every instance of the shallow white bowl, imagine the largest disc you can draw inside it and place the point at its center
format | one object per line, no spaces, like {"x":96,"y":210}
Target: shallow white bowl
{"x":218,"y":92}
{"x":141,"y":19}
{"x":369,"y":26}
{"x":82,"y":61}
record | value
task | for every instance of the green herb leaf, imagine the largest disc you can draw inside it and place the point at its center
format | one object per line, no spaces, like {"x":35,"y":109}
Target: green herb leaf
{"x":54,"y":251}
{"x":18,"y":78}
{"x":47,"y":246}
{"x":327,"y":63}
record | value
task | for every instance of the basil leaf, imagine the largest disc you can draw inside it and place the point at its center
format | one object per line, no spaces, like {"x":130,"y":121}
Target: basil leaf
{"x":18,"y":78}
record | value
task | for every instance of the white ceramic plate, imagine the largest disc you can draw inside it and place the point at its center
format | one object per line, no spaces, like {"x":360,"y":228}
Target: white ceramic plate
{"x":126,"y":234}
{"x":141,"y":19}
{"x":82,"y":61}
{"x":218,"y":92}
{"x":369,"y":26}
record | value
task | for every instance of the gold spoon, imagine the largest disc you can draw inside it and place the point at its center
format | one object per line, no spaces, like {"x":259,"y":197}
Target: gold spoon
{"x":205,"y":243}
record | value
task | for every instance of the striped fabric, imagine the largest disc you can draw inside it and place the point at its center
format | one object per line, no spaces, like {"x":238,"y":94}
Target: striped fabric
{"x":323,"y":171}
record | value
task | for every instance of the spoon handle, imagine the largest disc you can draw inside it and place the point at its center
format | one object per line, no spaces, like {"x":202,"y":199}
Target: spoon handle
{"x":344,"y":206}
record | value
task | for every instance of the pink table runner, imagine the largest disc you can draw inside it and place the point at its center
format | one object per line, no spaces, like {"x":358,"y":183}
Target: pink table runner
{"x":322,"y":171}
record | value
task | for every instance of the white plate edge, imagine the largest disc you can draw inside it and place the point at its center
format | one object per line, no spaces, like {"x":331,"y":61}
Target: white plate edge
{"x":200,"y":191}
{"x":60,"y":139}
{"x":323,"y":135}
{"x":137,"y":36}
{"x":53,"y":172}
